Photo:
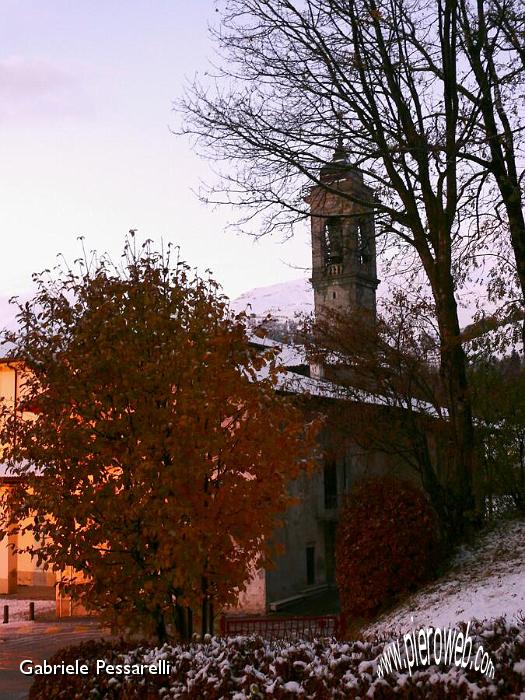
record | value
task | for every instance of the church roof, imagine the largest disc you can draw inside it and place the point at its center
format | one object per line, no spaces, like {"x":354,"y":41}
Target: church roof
{"x":292,"y":381}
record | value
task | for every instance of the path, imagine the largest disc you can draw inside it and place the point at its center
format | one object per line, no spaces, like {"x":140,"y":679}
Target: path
{"x":37,"y":641}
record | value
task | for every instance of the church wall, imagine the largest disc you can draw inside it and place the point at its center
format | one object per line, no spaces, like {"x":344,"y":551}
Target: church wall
{"x":313,"y":521}
{"x":301,"y":530}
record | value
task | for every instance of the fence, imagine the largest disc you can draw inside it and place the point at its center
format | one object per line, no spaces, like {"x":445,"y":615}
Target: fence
{"x":296,"y":627}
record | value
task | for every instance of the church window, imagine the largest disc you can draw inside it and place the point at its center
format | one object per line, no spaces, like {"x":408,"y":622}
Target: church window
{"x":310,"y":565}
{"x":333,"y":240}
{"x":363,"y":249}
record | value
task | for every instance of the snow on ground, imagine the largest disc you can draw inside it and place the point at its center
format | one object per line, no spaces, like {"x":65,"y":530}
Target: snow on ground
{"x":19,"y":608}
{"x":486,"y":581}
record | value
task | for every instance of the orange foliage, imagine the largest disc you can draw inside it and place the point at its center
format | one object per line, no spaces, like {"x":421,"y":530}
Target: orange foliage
{"x":163,"y":456}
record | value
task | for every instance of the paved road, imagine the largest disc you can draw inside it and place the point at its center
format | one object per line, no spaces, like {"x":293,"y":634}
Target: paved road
{"x":36,"y":641}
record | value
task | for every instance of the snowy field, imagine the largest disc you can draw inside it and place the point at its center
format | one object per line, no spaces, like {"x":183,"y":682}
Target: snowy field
{"x":485,"y":582}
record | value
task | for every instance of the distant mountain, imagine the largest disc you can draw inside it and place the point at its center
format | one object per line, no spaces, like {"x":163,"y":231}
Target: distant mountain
{"x":284,"y":301}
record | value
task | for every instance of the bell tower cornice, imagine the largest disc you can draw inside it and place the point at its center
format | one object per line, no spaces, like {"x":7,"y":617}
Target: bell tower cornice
{"x":344,"y":273}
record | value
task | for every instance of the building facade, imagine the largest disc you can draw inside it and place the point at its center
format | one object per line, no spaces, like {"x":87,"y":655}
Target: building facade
{"x":16,"y":569}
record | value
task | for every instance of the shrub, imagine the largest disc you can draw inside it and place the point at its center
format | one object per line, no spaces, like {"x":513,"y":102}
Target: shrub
{"x":255,"y":668}
{"x":387,"y":544}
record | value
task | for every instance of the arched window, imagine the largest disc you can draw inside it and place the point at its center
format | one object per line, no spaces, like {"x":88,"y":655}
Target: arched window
{"x":333,"y":240}
{"x":363,"y":244}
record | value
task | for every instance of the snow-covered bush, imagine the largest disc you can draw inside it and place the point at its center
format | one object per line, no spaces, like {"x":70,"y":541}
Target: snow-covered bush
{"x":247,"y":668}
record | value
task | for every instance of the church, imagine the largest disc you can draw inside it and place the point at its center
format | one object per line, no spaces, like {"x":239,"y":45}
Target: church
{"x":343,"y":276}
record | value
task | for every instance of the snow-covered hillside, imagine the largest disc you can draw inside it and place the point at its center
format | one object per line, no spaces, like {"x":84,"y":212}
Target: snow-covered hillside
{"x":282,"y":301}
{"x":286,"y":300}
{"x":486,"y":580}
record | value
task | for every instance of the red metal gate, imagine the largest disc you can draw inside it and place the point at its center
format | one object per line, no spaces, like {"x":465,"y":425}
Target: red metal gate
{"x":274,"y":627}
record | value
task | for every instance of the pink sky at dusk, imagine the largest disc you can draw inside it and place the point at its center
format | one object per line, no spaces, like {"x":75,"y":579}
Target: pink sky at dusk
{"x":86,"y":91}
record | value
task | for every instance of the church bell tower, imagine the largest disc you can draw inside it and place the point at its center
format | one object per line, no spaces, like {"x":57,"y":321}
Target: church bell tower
{"x":344,"y":274}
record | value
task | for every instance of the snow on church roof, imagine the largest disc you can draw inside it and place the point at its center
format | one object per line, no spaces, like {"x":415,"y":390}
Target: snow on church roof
{"x":294,"y":383}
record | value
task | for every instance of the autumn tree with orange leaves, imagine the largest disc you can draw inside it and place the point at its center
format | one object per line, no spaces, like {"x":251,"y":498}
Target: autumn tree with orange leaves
{"x":160,"y":452}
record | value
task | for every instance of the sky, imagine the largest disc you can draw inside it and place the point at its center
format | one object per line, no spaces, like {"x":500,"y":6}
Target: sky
{"x":86,"y":95}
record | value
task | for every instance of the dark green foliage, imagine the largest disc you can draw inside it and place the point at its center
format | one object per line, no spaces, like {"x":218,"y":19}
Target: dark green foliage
{"x":498,"y":386}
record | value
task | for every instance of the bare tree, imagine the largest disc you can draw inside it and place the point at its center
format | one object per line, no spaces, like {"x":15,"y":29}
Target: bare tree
{"x":391,"y":397}
{"x":491,"y":40}
{"x":382,"y":77}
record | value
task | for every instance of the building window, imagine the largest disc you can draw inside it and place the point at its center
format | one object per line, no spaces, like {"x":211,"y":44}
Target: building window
{"x":310,"y":565}
{"x":330,"y":485}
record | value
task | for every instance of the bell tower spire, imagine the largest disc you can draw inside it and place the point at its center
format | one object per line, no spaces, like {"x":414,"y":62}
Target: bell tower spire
{"x":344,"y":273}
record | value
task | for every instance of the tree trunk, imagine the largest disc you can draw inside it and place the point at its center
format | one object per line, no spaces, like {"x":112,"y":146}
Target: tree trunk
{"x":512,"y":200}
{"x":454,"y":376}
{"x":160,"y":627}
{"x":182,"y":627}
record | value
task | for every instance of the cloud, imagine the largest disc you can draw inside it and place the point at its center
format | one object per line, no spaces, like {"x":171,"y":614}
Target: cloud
{"x":38,"y":88}
{"x":24,"y":77}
